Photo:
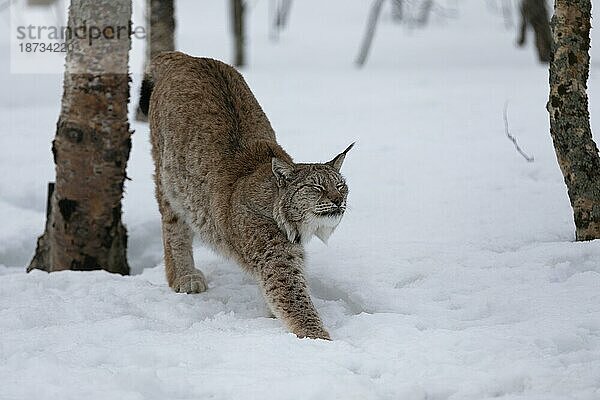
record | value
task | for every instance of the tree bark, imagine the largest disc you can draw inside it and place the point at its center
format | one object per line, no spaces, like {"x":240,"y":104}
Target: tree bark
{"x":576,"y":151}
{"x":160,"y":17}
{"x":237,"y":19}
{"x":91,"y":146}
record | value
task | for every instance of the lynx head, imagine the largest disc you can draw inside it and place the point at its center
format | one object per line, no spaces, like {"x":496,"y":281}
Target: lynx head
{"x":312,"y":198}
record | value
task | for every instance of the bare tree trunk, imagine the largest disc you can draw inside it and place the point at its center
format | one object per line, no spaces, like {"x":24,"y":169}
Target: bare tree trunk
{"x":91,"y":146}
{"x":397,"y":10}
{"x":507,"y":13}
{"x":576,"y":151}
{"x":273,"y":15}
{"x":283,"y":13}
{"x":279,"y":10}
{"x":426,"y":8}
{"x":160,"y":15}
{"x":237,"y":19}
{"x":534,"y":13}
{"x":370,"y":33}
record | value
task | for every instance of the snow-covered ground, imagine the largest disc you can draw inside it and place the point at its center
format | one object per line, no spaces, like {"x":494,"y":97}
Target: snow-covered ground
{"x":454,"y":275}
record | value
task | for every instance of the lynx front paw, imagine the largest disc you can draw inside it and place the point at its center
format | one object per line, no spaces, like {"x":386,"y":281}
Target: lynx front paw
{"x":191,"y":283}
{"x":313,"y":334}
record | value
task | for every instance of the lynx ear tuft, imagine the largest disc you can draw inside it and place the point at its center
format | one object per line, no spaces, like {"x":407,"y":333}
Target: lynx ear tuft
{"x":282,"y":171}
{"x":339,"y":159}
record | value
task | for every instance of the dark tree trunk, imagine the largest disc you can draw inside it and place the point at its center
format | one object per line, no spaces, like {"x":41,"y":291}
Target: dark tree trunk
{"x":91,"y":147}
{"x":237,"y":19}
{"x":160,"y":16}
{"x":534,"y":13}
{"x":576,"y":151}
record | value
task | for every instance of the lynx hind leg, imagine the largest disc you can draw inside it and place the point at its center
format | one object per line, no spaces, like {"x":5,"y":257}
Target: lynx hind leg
{"x":182,"y":276}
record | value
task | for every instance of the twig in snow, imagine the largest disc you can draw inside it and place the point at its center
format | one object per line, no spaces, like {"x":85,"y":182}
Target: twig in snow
{"x":511,"y":137}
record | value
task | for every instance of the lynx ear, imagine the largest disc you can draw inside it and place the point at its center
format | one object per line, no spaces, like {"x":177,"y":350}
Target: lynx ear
{"x":282,"y":171}
{"x":339,"y":159}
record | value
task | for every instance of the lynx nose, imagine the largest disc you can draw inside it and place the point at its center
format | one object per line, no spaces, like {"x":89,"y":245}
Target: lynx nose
{"x":337,"y":200}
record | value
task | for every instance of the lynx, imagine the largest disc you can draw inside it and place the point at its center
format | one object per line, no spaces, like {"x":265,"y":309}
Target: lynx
{"x":220,"y":174}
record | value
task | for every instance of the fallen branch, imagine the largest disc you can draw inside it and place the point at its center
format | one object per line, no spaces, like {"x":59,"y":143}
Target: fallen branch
{"x":511,"y":137}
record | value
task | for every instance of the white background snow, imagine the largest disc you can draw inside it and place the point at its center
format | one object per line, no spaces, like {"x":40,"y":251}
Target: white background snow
{"x":454,"y":275}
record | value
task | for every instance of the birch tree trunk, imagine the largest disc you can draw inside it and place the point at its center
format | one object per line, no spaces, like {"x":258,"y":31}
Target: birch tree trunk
{"x":576,"y":151}
{"x":160,"y":15}
{"x":91,"y":147}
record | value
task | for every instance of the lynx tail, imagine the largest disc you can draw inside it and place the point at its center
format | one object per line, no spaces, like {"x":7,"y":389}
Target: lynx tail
{"x":145,"y":93}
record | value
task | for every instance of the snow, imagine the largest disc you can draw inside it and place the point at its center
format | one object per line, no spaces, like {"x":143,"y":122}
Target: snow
{"x":454,"y":274}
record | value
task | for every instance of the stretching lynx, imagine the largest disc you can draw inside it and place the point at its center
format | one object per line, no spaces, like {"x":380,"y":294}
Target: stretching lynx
{"x":221,"y":174}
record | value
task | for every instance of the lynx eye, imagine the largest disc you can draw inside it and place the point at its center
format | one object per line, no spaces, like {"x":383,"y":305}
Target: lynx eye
{"x":317,"y":187}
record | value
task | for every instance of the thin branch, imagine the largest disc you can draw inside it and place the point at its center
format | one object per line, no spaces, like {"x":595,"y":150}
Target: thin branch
{"x":370,"y":33}
{"x":511,"y":137}
{"x":283,"y":13}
